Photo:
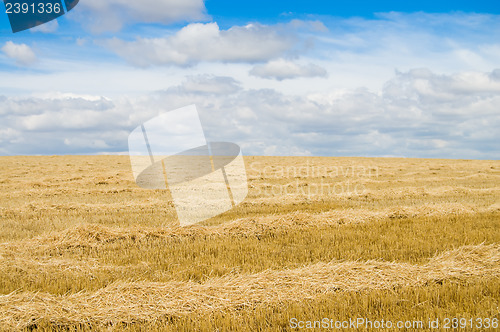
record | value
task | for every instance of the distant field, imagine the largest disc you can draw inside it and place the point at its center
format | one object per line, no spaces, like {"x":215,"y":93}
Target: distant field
{"x":83,"y":248}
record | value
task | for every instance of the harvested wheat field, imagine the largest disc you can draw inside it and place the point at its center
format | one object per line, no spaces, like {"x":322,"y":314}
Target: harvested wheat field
{"x":83,"y":248}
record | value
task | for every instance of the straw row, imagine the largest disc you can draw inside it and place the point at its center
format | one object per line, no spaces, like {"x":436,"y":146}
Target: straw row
{"x":129,"y":302}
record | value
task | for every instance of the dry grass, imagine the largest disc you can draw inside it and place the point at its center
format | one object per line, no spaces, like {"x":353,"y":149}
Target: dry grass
{"x":81,"y":247}
{"x":128,"y":302}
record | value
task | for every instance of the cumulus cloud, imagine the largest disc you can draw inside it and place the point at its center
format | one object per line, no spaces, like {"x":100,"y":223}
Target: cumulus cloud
{"x":495,"y":75}
{"x":37,"y":125}
{"x":21,"y":53}
{"x":282,"y":69}
{"x":209,"y":84}
{"x":112,"y":15}
{"x":199,"y":42}
{"x":48,"y":27}
{"x":418,"y":113}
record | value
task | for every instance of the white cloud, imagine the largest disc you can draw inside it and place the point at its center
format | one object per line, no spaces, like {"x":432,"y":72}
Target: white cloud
{"x":354,"y":52}
{"x":21,"y":53}
{"x":9,"y":135}
{"x":365,"y":52}
{"x":457,"y":117}
{"x":199,"y":42}
{"x":495,"y":75}
{"x":314,"y":25}
{"x":209,"y":84}
{"x":282,"y":69}
{"x":63,"y":123}
{"x":406,"y":118}
{"x":55,"y":95}
{"x":85,"y":143}
{"x":450,"y":94}
{"x":418,"y":114}
{"x":112,"y":15}
{"x":48,"y":27}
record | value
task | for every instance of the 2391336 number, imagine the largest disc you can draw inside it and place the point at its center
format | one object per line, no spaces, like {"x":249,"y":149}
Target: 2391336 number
{"x":473,"y":323}
{"x":32,"y":8}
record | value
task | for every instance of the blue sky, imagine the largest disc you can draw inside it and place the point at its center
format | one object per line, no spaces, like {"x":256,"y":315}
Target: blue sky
{"x":237,"y":12}
{"x":272,"y":10}
{"x":358,"y":78}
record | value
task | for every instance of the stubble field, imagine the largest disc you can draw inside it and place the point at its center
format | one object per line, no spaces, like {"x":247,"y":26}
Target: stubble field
{"x":83,"y":248}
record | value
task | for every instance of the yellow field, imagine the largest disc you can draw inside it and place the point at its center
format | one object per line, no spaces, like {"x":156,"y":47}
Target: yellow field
{"x":83,"y":248}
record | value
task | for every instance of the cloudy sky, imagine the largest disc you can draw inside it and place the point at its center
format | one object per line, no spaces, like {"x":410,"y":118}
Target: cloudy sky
{"x":361,"y":78}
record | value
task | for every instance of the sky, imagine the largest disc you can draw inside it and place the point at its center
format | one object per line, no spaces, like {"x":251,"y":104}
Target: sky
{"x":299,"y":78}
